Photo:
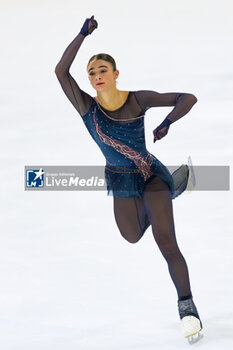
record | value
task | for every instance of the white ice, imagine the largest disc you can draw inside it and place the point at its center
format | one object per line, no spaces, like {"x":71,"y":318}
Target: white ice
{"x":68,"y":279}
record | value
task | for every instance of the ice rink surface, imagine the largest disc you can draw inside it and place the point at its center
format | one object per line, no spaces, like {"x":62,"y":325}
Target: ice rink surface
{"x":69,"y":280}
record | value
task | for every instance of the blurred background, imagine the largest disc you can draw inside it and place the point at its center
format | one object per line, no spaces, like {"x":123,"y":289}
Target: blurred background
{"x":69,"y":280}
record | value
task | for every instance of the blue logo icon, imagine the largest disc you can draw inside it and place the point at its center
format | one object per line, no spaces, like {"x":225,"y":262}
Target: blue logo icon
{"x":35,"y":178}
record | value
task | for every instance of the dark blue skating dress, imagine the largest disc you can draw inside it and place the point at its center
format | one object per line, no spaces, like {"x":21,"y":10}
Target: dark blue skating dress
{"x":129,"y":165}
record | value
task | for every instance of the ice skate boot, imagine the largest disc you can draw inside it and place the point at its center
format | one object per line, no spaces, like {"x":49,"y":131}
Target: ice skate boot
{"x":190,"y":321}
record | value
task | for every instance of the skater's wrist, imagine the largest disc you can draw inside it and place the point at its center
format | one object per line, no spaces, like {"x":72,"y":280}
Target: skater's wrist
{"x":165,"y":122}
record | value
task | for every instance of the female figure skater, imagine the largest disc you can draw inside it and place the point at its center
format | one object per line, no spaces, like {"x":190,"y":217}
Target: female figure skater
{"x":142,"y":187}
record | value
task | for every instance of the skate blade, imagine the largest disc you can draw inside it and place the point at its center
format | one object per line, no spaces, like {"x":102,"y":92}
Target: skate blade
{"x":191,"y":180}
{"x":194,"y":338}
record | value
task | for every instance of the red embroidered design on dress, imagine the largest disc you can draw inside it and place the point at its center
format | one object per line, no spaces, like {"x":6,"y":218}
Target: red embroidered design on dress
{"x":123,"y":149}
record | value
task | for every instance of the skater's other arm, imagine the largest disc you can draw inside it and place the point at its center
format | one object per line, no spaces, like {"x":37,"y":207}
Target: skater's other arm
{"x":183,"y":102}
{"x":79,"y":98}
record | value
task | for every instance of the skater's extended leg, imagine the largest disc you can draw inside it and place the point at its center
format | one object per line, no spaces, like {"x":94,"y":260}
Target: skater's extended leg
{"x":158,"y":205}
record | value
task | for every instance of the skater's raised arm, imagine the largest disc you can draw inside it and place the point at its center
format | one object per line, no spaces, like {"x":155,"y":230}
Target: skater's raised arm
{"x":80,"y":99}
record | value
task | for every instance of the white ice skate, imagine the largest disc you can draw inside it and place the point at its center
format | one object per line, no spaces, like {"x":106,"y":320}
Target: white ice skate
{"x":191,"y":327}
{"x":190,"y":321}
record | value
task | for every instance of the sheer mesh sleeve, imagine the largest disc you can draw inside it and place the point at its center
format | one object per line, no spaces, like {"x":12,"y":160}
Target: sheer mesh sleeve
{"x":150,"y":98}
{"x":80,"y":99}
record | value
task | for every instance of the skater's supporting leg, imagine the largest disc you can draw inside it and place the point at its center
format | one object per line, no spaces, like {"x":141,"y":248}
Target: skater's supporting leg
{"x":158,"y":205}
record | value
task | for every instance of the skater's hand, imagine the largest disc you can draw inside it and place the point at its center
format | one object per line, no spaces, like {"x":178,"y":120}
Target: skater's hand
{"x":89,"y":25}
{"x":161,"y":133}
{"x":161,"y":130}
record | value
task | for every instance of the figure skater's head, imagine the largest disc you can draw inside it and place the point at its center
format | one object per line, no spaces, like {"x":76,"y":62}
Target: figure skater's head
{"x":101,"y":68}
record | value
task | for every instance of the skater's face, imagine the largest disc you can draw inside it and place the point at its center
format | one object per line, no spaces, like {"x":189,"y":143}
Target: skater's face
{"x":101,"y":75}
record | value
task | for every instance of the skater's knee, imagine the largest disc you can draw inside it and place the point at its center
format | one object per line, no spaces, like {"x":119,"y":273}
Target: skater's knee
{"x":168,"y":246}
{"x":131,"y":239}
{"x":170,"y":252}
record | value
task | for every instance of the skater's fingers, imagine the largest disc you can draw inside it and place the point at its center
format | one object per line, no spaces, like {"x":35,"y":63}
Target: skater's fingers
{"x":160,"y":135}
{"x":157,"y":138}
{"x":93,"y":24}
